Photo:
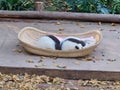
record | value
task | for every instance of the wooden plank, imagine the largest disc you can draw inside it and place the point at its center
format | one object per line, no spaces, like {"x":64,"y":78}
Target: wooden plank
{"x":60,"y":15}
{"x":68,"y":74}
{"x":67,"y":86}
{"x":102,"y":68}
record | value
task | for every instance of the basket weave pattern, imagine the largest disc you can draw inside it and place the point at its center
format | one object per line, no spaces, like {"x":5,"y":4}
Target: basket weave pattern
{"x":29,"y":36}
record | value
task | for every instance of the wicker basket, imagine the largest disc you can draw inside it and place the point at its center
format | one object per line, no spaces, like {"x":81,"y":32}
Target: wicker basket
{"x":29,"y":36}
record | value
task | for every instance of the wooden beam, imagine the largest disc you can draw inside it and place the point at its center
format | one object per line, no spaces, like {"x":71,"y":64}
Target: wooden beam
{"x":66,"y":87}
{"x":60,"y":15}
{"x":67,"y":74}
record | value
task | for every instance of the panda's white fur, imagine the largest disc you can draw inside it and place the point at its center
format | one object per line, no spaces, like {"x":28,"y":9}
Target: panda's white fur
{"x":65,"y":44}
{"x":69,"y":45}
{"x":90,"y":41}
{"x":46,"y":42}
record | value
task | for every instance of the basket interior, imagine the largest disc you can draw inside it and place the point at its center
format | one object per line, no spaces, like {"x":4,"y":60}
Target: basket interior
{"x":31,"y":35}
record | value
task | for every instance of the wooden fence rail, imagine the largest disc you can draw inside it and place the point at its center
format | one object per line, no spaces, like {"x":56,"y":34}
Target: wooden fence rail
{"x":60,"y":15}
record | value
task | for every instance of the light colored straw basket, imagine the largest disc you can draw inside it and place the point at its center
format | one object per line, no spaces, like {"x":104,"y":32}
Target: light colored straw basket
{"x":29,"y":36}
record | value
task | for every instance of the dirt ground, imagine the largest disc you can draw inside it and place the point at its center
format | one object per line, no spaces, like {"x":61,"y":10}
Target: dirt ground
{"x":104,"y":64}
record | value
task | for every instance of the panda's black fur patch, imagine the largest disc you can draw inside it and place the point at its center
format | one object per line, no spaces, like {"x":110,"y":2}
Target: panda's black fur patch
{"x":57,"y":42}
{"x":76,"y":47}
{"x":77,"y":41}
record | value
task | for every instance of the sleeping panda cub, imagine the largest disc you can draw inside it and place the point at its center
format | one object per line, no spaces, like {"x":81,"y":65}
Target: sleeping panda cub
{"x":68,"y":43}
{"x":49,"y":42}
{"x":72,"y":43}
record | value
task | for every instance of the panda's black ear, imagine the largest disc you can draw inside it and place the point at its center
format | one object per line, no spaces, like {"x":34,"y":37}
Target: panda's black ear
{"x":76,"y":47}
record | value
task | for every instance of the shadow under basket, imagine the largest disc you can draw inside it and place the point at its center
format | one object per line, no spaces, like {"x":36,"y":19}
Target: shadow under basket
{"x":29,"y":36}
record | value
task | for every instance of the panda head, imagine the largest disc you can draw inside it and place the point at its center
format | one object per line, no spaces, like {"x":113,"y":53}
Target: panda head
{"x":72,"y":43}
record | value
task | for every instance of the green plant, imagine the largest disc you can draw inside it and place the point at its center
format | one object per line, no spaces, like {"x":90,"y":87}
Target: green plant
{"x":56,"y":5}
{"x":116,"y":8}
{"x":89,"y":6}
{"x":16,"y":4}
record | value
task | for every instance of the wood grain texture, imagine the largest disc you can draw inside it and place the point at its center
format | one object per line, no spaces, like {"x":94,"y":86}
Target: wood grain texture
{"x":102,"y":69}
{"x":60,"y":15}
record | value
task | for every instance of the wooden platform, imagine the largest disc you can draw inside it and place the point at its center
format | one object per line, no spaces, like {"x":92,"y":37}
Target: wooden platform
{"x":102,"y":64}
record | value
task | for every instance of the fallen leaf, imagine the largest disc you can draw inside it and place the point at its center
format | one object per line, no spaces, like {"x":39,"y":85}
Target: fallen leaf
{"x":75,"y":88}
{"x":30,"y":61}
{"x":42,"y":57}
{"x":96,"y":58}
{"x":60,"y":66}
{"x":61,"y":29}
{"x":18,"y":50}
{"x":113,"y":24}
{"x":99,"y":23}
{"x":88,"y":58}
{"x":43,"y":64}
{"x":54,"y":58}
{"x":82,"y":26}
{"x":36,"y":65}
{"x":77,"y":62}
{"x":58,"y":23}
{"x":59,"y":32}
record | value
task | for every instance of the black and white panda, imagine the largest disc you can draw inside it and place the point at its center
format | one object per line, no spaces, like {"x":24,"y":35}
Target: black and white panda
{"x":72,"y":43}
{"x":49,"y":42}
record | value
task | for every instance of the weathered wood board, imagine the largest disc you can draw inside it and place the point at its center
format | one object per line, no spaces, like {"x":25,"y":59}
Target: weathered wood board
{"x":104,"y":66}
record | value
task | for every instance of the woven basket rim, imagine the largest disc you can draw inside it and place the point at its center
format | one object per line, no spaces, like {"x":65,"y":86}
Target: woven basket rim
{"x":57,"y":51}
